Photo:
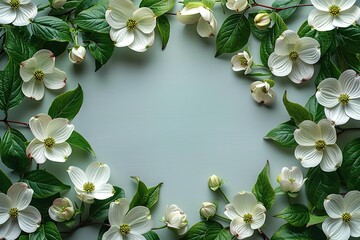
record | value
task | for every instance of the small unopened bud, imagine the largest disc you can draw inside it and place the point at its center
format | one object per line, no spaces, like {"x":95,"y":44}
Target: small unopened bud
{"x":77,"y":54}
{"x":214,"y":182}
{"x":208,"y":210}
{"x":58,"y":3}
{"x":61,"y":210}
{"x":262,"y":21}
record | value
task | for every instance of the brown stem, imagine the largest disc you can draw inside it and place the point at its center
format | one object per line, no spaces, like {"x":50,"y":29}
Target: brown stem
{"x":6,"y":122}
{"x":277,"y":9}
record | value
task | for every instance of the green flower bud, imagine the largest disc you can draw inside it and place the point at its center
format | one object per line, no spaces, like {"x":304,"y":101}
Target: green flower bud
{"x":214,"y":182}
{"x":262,"y":21}
{"x":208,"y":210}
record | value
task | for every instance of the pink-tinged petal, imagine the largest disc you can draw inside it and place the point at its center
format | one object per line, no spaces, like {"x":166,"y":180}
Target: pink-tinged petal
{"x":350,"y":82}
{"x":308,"y":133}
{"x":55,"y":80}
{"x":320,"y":20}
{"x":309,"y":50}
{"x":142,"y":41}
{"x":332,"y":158}
{"x":59,"y":129}
{"x":352,"y":109}
{"x":321,"y":5}
{"x":36,"y":150}
{"x":146,"y":19}
{"x":113,"y":234}
{"x":7,"y":14}
{"x":258,"y":216}
{"x":115,"y":19}
{"x":336,"y":229}
{"x":352,"y":202}
{"x":10,"y":230}
{"x":308,"y":156}
{"x":122,"y":37}
{"x":5,"y":205}
{"x":38,"y":125}
{"x":230,"y":212}
{"x":77,"y":176}
{"x":301,"y":71}
{"x":279,"y":65}
{"x":33,"y":89}
{"x":337,"y":114}
{"x":347,"y":18}
{"x":328,"y":131}
{"x":29,"y":219}
{"x":24,"y":14}
{"x":124,"y":8}
{"x":103,"y":191}
{"x":59,"y":152}
{"x":328,"y":92}
{"x":20,"y":194}
{"x":45,"y":60}
{"x":27,"y":69}
{"x":117,"y":211}
{"x":244,"y":203}
{"x":139,"y":219}
{"x":240,"y":229}
{"x":98,"y":173}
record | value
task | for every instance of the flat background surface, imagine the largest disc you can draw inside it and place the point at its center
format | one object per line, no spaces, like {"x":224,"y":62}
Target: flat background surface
{"x":176,"y":116}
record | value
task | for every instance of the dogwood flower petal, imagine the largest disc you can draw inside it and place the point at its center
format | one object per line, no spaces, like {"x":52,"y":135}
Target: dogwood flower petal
{"x":334,"y":205}
{"x":332,"y":158}
{"x":59,"y":129}
{"x":36,"y":150}
{"x":5,"y":205}
{"x":55,"y":80}
{"x":142,"y":41}
{"x":25,"y":13}
{"x":38,"y":125}
{"x":355,"y":226}
{"x":10,"y":230}
{"x":321,"y":19}
{"x":112,"y":234}
{"x":280,"y":65}
{"x":258,"y":216}
{"x":59,"y":152}
{"x":328,"y":131}
{"x":190,"y":14}
{"x":352,"y":201}
{"x":321,"y":4}
{"x":308,"y":156}
{"x":347,"y":18}
{"x":336,"y":230}
{"x":33,"y":89}
{"x":122,"y":37}
{"x":301,"y":71}
{"x":204,"y":28}
{"x":20,"y":195}
{"x":328,"y":92}
{"x":306,"y":50}
{"x":117,"y":211}
{"x":146,"y":20}
{"x":240,"y":229}
{"x":123,"y":9}
{"x":139,"y":219}
{"x":29,"y":219}
{"x":103,"y":191}
{"x":6,"y":13}
{"x":350,"y":82}
{"x":243,"y":202}
{"x":307,"y":134}
{"x":337,"y":114}
{"x":45,"y":60}
{"x":27,"y":69}
{"x":77,"y":177}
{"x":230,"y":212}
{"x":98,"y":172}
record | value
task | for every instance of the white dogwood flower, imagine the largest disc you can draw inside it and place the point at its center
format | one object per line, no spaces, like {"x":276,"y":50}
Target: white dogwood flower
{"x":317,"y":145}
{"x":294,"y":56}
{"x":262,"y":92}
{"x":195,"y":12}
{"x":61,"y":210}
{"x":77,"y":54}
{"x":17,"y":12}
{"x":291,"y":180}
{"x":237,"y":5}
{"x":344,"y":216}
{"x":332,"y":14}
{"x":242,"y":62}
{"x":131,"y":27}
{"x":50,"y":136}
{"x":341,"y":99}
{"x":15,"y":212}
{"x":246,"y":215}
{"x":175,"y":218}
{"x":91,"y":184}
{"x":125,"y":224}
{"x":40,"y":71}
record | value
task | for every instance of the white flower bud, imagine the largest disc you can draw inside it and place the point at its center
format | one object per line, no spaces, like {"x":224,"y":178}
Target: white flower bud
{"x":77,"y":54}
{"x":291,"y":180}
{"x":208,"y":210}
{"x":262,"y":92}
{"x":58,"y":3}
{"x":262,"y":21}
{"x":214,"y":182}
{"x":61,"y":210}
{"x":237,"y":5}
{"x":242,"y":62}
{"x":175,"y":218}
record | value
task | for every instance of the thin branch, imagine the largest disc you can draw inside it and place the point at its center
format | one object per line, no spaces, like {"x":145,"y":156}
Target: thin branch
{"x":277,"y":9}
{"x":6,"y":122}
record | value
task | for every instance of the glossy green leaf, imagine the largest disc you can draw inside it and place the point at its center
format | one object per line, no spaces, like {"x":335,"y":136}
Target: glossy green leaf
{"x":67,"y":105}
{"x":350,"y":169}
{"x":44,"y":183}
{"x":315,"y":109}
{"x":43,"y":205}
{"x":145,"y":196}
{"x":348,"y":60}
{"x":47,"y":231}
{"x":297,"y":112}
{"x":5,"y":182}
{"x":263,"y":190}
{"x":297,"y":215}
{"x":153,"y":196}
{"x":151,"y":236}
{"x":327,"y":69}
{"x":51,"y":29}
{"x":79,"y":141}
{"x":93,"y":19}
{"x":285,"y":14}
{"x":349,"y":38}
{"x":288,"y":232}
{"x":163,"y":26}
{"x":283,"y":134}
{"x":159,"y":7}
{"x":233,"y":34}
{"x":314,"y":220}
{"x":207,"y":230}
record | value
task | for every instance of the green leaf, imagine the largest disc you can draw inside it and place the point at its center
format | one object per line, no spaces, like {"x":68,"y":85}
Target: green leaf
{"x":350,"y":169}
{"x":319,"y":185}
{"x":233,"y":34}
{"x":5,"y":182}
{"x":103,"y":229}
{"x":207,"y":230}
{"x":13,"y":153}
{"x":50,"y":28}
{"x":151,"y":236}
{"x":327,"y":69}
{"x":314,"y":220}
{"x":263,"y":190}
{"x":44,"y":183}
{"x":85,"y":4}
{"x":297,"y":215}
{"x":141,"y":196}
{"x":47,"y":231}
{"x":43,"y":205}
{"x":153,"y":196}
{"x":283,"y":134}
{"x":10,"y":86}
{"x":93,"y":19}
{"x":208,"y":3}
{"x":259,"y":34}
{"x":315,"y":109}
{"x":159,"y":7}
{"x":80,"y":142}
{"x":347,"y":60}
{"x":297,"y":112}
{"x":288,"y":232}
{"x":67,"y":104}
{"x":100,"y":46}
{"x":100,"y":208}
{"x":163,"y":26}
{"x":349,"y":38}
{"x":24,"y":237}
{"x":285,"y":14}
{"x":57,"y":48}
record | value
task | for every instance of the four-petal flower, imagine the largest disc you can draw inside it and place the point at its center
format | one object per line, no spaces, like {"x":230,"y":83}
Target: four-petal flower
{"x":17,"y":12}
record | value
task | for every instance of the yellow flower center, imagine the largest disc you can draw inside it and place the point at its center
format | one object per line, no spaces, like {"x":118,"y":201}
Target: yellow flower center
{"x":346,"y":217}
{"x":292,"y":180}
{"x":131,"y":24}
{"x":89,"y":187}
{"x":15,"y":4}
{"x":344,"y":99}
{"x":243,"y":61}
{"x":39,"y":75}
{"x":293,"y":55}
{"x":248,"y":218}
{"x":125,"y":229}
{"x":334,"y":10}
{"x":14,"y":212}
{"x":320,"y":145}
{"x":49,"y":142}
{"x":264,"y":90}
